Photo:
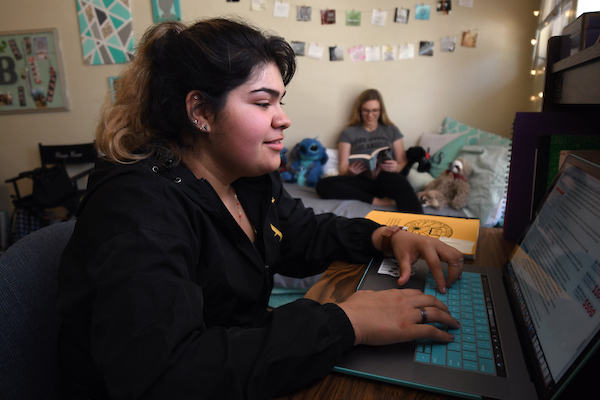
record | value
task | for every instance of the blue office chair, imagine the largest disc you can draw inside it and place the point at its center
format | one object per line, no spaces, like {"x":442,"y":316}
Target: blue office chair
{"x":29,"y":321}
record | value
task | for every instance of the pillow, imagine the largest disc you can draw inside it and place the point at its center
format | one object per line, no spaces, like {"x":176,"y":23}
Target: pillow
{"x":487,"y":182}
{"x":432,"y":142}
{"x":466,"y":136}
{"x":331,"y":166}
{"x":452,"y":126}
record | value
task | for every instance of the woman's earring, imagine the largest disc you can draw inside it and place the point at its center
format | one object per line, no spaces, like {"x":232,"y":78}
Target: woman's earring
{"x":195,"y":97}
{"x":195,"y":122}
{"x":204,"y":127}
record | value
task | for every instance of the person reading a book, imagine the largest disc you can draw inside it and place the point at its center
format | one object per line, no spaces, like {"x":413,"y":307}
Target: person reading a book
{"x":163,"y":288}
{"x":371,"y":156}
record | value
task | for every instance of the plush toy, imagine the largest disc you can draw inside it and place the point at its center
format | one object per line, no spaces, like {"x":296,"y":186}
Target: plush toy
{"x":307,"y":169}
{"x":284,"y":160}
{"x":417,"y":155}
{"x":450,"y":189}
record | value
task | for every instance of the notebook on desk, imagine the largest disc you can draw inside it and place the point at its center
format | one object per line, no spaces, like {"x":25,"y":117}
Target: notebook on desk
{"x":526,"y":330}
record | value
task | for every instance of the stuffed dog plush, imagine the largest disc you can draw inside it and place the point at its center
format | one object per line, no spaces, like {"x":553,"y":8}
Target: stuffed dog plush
{"x":450,"y":189}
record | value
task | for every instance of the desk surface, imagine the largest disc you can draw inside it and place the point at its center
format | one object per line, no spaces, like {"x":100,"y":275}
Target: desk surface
{"x":339,"y":282}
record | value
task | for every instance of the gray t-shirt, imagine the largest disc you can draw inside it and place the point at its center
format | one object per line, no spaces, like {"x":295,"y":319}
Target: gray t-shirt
{"x":364,"y":142}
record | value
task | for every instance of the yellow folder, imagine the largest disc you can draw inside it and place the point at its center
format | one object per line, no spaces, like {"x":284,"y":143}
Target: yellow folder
{"x":460,"y":233}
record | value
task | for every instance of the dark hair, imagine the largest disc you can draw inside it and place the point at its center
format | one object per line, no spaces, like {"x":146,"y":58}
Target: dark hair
{"x":213,"y":56}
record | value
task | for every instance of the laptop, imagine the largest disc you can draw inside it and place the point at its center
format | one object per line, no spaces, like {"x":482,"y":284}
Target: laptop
{"x":527,"y":329}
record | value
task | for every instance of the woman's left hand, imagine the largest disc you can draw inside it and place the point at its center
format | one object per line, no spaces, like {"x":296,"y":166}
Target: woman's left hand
{"x":389,"y":166}
{"x":409,"y":247}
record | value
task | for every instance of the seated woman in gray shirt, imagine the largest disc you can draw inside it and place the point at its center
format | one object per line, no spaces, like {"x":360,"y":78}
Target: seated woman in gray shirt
{"x":369,"y":129}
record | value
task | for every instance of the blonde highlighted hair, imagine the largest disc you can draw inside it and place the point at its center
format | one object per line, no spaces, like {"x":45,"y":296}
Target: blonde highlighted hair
{"x":148,"y":117}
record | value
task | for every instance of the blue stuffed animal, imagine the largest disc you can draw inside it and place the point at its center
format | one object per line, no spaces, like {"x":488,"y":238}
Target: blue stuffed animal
{"x":307,"y":169}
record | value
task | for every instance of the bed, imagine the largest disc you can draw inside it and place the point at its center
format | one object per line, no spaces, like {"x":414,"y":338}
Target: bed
{"x":488,"y":154}
{"x":351,"y":208}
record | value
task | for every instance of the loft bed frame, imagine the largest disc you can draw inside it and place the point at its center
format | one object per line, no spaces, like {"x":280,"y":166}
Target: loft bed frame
{"x":572,"y":83}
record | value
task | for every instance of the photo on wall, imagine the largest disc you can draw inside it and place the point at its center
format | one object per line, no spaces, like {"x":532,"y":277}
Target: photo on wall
{"x":444,"y":7}
{"x":353,"y":18}
{"x":166,"y":10}
{"x":327,"y":17}
{"x":422,"y":12}
{"x":303,"y":13}
{"x":336,"y":53}
{"x":299,"y":48}
{"x":469,"y":39}
{"x":401,"y":15}
{"x":426,"y":48}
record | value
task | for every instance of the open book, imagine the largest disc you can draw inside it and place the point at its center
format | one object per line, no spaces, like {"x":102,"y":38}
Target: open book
{"x":373,"y":160}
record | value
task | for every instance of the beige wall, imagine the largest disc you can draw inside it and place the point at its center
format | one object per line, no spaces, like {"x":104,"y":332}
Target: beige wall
{"x":482,"y":86}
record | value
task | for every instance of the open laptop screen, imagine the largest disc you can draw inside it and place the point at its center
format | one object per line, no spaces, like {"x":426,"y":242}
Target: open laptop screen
{"x":555,"y":273}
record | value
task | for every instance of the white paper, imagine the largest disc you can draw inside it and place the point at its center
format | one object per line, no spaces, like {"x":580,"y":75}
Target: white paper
{"x":372,"y":53}
{"x":259,"y":5}
{"x":448,"y":43}
{"x":390,"y":267}
{"x":465,"y":3}
{"x":378,"y":17}
{"x":281,"y":10}
{"x":406,"y":51}
{"x":464,"y":246}
{"x":315,"y":51}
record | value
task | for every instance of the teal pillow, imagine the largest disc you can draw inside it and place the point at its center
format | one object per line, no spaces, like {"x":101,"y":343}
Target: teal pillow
{"x":483,"y":138}
{"x":470,"y":136}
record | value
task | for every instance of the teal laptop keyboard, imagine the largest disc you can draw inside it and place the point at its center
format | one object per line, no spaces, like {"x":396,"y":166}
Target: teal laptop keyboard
{"x":476,"y":346}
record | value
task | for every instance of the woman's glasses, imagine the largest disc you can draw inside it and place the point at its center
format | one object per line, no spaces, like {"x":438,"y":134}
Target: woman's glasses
{"x":374,"y":112}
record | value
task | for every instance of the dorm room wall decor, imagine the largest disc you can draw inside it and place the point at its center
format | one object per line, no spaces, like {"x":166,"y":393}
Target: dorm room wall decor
{"x":106,"y":32}
{"x":31,"y":73}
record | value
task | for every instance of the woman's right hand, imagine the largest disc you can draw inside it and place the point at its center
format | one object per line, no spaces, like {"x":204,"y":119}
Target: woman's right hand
{"x":356,"y":168}
{"x":395,"y":316}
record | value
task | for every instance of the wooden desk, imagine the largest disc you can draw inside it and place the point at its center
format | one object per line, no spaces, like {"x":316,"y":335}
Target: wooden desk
{"x":339,"y":282}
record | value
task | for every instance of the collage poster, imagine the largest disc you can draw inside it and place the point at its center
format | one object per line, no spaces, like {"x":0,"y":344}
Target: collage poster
{"x":31,"y":78}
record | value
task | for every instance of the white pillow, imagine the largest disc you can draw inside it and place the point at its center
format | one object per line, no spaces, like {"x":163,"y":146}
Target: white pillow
{"x":432,"y":142}
{"x":487,"y":182}
{"x":331,"y":166}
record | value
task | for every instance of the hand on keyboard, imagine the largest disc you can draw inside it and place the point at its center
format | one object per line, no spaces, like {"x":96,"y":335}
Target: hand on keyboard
{"x":394,"y":316}
{"x":409,"y":247}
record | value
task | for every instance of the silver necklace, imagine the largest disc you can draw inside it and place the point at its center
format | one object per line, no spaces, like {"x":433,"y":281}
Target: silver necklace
{"x":238,"y":206}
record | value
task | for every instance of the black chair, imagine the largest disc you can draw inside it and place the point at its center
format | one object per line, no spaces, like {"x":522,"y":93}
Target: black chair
{"x":29,"y":321}
{"x":53,"y":186}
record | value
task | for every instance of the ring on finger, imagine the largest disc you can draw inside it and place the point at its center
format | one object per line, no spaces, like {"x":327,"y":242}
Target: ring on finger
{"x":423,"y":315}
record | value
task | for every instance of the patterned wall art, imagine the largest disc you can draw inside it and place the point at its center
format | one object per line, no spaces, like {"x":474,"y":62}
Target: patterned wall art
{"x":31,"y":73}
{"x":106,"y":31}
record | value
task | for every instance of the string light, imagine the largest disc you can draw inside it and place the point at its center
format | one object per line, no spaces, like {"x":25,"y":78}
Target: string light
{"x":541,"y":94}
{"x":533,"y":72}
{"x":533,"y":42}
{"x":536,"y":13}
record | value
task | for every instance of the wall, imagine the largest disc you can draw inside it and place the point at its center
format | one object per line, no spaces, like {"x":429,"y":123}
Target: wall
{"x":482,"y":86}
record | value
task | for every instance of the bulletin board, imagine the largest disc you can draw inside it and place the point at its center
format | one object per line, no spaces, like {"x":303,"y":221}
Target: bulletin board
{"x":31,"y":72}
